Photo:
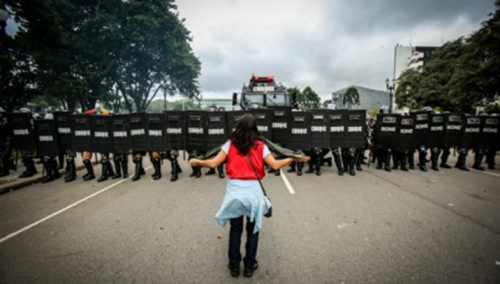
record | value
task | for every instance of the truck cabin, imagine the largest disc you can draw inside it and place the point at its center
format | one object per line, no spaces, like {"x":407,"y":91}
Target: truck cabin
{"x":263,"y":92}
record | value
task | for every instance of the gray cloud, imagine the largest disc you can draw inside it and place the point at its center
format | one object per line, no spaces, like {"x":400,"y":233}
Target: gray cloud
{"x":326,"y":45}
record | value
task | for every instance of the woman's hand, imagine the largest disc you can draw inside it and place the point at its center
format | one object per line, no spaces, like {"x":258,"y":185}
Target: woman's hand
{"x":303,"y":159}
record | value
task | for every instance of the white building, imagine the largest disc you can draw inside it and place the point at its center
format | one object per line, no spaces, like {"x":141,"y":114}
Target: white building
{"x":411,"y":57}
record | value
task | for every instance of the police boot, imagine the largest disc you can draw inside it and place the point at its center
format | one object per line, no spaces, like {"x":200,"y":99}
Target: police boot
{"x":174,"y":172}
{"x":444,"y":160}
{"x":352,"y":164}
{"x":422,"y":162}
{"x":70,"y":170}
{"x":157,"y":167}
{"x":478,"y":157}
{"x":395,"y":160}
{"x":411,"y":160}
{"x":387,"y":165}
{"x":104,"y":172}
{"x":90,"y":170}
{"x":404,"y":162}
{"x":125,"y":167}
{"x":61,"y":161}
{"x":30,"y":168}
{"x":379,"y":162}
{"x":359,"y":161}
{"x":118,"y":172}
{"x":338,"y":163}
{"x":198,"y":172}
{"x":310,"y":168}
{"x":434,"y":162}
{"x":461,"y":163}
{"x":318,"y":166}
{"x":138,"y":166}
{"x":55,"y":167}
{"x":195,"y":171}
{"x":48,"y":171}
{"x":490,"y":159}
{"x":292,"y":167}
{"x":110,"y":170}
{"x":210,"y":172}
{"x":300,"y":166}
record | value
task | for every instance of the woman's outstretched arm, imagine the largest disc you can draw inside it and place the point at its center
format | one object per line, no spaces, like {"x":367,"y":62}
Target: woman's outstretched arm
{"x":278,"y":164}
{"x":212,"y":163}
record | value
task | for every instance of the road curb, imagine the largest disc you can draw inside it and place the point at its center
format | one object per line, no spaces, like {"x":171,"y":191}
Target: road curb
{"x":20,"y":183}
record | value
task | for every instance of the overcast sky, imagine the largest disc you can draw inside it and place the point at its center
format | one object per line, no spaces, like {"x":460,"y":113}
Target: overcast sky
{"x":327,"y":45}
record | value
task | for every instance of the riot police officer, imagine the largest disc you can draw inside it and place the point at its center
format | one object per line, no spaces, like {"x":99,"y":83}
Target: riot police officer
{"x":27,"y":155}
{"x":383,"y":155}
{"x":49,"y":163}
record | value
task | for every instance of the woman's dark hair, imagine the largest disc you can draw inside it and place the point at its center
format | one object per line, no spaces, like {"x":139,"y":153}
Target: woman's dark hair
{"x":245,"y":133}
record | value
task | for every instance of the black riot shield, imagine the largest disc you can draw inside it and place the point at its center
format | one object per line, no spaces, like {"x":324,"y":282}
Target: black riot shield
{"x":23,"y":136}
{"x":216,"y":133}
{"x":421,"y":133}
{"x":232,"y":118}
{"x":356,"y":128}
{"x":300,"y":130}
{"x":196,"y":125}
{"x":280,"y":126}
{"x":122,"y":142}
{"x":139,"y":132}
{"x":436,"y":130}
{"x":386,"y":131}
{"x":264,"y":120}
{"x":453,"y":124}
{"x":156,"y":128}
{"x":406,"y":127}
{"x":46,"y":134}
{"x":320,"y":126}
{"x":63,"y":124}
{"x":338,"y":129}
{"x":175,"y":130}
{"x":489,"y":131}
{"x":102,"y":134}
{"x":471,"y":132}
{"x":81,"y":137}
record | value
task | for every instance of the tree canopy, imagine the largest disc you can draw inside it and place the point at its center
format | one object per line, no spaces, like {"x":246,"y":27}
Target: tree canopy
{"x":108,"y":50}
{"x":463,"y":74}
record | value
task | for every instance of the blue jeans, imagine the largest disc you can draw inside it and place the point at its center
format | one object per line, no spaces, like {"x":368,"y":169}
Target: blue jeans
{"x":235,"y":242}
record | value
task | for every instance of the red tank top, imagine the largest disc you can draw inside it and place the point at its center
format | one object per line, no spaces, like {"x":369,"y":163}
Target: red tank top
{"x":238,"y":166}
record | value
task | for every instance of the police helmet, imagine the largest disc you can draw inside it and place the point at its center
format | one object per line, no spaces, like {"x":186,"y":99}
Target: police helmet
{"x":427,"y":108}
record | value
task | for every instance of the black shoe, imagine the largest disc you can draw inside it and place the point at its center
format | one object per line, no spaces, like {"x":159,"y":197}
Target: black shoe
{"x":423,"y":168}
{"x":210,"y":172}
{"x":235,"y":270}
{"x":249,"y":271}
{"x":491,"y":167}
{"x":435,"y":168}
{"x":444,"y":166}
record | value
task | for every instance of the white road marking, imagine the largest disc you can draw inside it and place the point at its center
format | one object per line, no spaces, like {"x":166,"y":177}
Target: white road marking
{"x":488,"y":173}
{"x":287,"y":183}
{"x":64,"y":209}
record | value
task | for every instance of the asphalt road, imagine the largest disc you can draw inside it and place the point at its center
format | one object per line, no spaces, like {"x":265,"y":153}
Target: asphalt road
{"x":376,"y":227}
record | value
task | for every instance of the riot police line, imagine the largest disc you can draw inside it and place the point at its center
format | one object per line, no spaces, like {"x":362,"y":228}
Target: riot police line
{"x":197,"y":132}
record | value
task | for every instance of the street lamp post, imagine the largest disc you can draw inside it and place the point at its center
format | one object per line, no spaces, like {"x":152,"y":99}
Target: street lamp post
{"x":390,"y":87}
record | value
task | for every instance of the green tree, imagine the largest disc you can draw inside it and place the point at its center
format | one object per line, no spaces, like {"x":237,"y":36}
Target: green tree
{"x":155,"y":54}
{"x":351,"y":97}
{"x":407,"y":90}
{"x":308,"y":98}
